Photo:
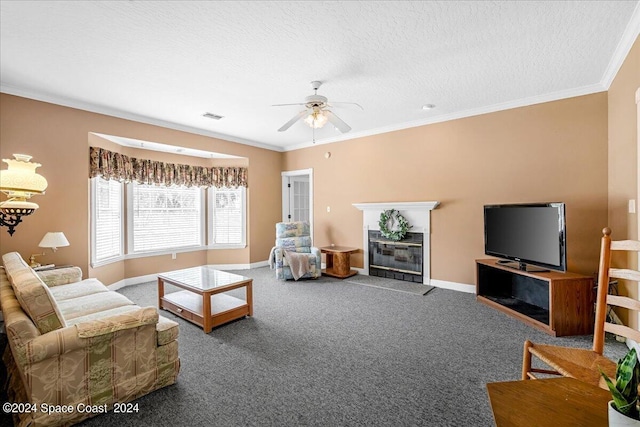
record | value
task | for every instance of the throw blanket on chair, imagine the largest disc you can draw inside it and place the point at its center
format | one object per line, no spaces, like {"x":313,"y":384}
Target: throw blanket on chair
{"x":298,"y":263}
{"x":272,"y":258}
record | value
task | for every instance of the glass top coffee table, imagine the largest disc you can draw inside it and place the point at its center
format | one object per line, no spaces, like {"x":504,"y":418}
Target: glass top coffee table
{"x":203,"y":301}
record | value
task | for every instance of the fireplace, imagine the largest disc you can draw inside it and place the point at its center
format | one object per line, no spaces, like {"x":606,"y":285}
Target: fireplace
{"x":400,"y":260}
{"x":407,"y":255}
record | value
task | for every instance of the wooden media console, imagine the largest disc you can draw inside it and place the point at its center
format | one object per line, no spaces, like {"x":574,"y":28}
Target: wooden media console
{"x":557,"y":303}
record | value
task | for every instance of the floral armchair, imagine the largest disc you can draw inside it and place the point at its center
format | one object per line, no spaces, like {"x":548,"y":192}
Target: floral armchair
{"x":295,"y":237}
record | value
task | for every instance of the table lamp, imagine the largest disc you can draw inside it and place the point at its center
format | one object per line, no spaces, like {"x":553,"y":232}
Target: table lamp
{"x":52,"y":240}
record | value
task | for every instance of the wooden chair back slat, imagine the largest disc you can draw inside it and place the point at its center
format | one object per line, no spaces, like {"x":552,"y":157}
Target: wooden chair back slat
{"x":623,"y":331}
{"x":624,"y":273}
{"x":603,"y":298}
{"x":625,"y":302}
{"x":625,"y":245}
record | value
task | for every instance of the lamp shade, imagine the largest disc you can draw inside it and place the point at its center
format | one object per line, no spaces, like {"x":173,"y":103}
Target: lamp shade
{"x":20,"y":180}
{"x":54,"y":240}
{"x":316,"y":119}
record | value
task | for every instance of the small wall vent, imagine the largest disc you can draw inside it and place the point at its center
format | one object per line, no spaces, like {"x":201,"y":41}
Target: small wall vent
{"x":212,"y":116}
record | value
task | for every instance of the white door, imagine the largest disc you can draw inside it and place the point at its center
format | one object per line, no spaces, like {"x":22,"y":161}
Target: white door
{"x":299,"y":198}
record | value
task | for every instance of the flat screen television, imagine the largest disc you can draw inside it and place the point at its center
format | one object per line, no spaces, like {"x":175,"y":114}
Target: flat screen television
{"x":530,"y":234}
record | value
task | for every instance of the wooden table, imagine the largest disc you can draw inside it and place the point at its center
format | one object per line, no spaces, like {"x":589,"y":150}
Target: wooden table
{"x":548,"y":402}
{"x":203,"y":301}
{"x":338,"y":261}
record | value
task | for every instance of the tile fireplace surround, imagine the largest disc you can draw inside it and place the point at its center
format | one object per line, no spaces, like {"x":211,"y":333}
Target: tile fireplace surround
{"x":417,"y":213}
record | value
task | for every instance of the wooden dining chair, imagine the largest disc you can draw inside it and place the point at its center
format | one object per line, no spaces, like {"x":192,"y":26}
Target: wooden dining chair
{"x":584,"y":364}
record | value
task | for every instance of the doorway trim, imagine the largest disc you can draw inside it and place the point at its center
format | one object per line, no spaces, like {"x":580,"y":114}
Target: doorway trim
{"x":285,"y":193}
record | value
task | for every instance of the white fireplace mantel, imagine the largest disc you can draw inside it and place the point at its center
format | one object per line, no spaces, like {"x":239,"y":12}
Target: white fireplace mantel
{"x":399,"y":206}
{"x":418,"y":214}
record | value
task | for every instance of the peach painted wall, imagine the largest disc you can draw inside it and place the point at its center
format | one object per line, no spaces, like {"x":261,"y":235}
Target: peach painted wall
{"x":623,"y":160}
{"x":555,"y":151}
{"x":57,"y":137}
{"x":546,"y":152}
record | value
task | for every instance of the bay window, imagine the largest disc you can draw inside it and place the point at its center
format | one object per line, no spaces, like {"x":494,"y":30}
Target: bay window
{"x":164,"y":207}
{"x":163,"y":218}
{"x":106,"y":221}
{"x":227,"y":217}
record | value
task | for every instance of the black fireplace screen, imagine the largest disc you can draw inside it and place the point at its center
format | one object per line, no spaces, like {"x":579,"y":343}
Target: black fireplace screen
{"x":400,"y":260}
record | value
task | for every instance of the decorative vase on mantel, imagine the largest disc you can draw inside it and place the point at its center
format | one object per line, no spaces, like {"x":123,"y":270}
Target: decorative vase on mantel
{"x":617,"y":419}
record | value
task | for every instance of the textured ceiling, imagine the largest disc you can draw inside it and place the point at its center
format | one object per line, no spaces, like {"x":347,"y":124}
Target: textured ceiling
{"x":168,"y":62}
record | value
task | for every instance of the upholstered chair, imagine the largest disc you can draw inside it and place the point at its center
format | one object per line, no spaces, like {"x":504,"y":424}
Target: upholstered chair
{"x":294,"y":237}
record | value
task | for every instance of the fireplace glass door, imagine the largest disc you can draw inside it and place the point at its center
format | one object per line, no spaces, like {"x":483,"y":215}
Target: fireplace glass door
{"x":401,"y":260}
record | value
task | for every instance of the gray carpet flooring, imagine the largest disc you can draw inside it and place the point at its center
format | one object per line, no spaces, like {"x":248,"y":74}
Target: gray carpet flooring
{"x":390,"y":284}
{"x":330,"y":353}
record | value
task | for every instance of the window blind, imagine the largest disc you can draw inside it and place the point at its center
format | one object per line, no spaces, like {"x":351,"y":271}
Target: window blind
{"x":228,"y":219}
{"x":107,"y":219}
{"x":165,"y":217}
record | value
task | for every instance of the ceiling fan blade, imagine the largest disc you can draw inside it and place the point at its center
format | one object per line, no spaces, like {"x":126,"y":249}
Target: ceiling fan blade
{"x":337,"y":122}
{"x":285,"y":105}
{"x":295,"y":118}
{"x":347,"y":103}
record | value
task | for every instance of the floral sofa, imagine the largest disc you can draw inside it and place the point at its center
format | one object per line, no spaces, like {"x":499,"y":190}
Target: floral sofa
{"x":77,"y":349}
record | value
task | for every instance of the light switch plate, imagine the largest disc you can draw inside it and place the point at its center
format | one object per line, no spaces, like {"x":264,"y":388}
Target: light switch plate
{"x":632,"y":206}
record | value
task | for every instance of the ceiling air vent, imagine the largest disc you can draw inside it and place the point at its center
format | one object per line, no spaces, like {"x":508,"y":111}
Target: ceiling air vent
{"x":212,"y":116}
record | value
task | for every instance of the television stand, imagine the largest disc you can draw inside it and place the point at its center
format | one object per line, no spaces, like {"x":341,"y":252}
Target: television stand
{"x":559,"y":304}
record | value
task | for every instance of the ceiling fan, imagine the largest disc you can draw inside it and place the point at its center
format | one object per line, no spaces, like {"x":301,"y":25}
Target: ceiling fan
{"x":317,"y":111}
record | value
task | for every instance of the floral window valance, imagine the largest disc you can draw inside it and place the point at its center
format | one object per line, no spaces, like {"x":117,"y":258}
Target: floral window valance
{"x":110,"y":165}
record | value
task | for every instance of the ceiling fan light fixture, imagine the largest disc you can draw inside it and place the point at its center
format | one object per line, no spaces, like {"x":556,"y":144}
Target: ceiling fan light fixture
{"x":316,"y":119}
{"x":315,"y":114}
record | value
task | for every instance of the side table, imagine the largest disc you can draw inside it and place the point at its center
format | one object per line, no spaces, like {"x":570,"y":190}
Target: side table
{"x":339,"y":261}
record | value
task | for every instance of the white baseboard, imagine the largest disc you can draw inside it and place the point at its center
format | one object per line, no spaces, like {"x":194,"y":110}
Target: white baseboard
{"x":153,"y":277}
{"x":259,"y":264}
{"x":133,"y":281}
{"x":231,"y":266}
{"x":117,"y":285}
{"x":460,"y":287}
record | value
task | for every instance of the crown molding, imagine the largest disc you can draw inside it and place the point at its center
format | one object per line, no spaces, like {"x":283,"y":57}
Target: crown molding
{"x":538,"y":99}
{"x":625,"y":44}
{"x":524,"y":102}
{"x":85,"y":106}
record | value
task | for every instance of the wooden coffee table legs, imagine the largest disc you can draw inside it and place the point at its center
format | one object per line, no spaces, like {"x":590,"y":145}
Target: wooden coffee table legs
{"x":209,"y":308}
